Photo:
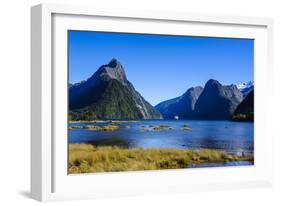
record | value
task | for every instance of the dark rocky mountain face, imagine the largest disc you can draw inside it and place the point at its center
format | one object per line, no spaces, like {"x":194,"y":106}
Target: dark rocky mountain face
{"x":108,"y":94}
{"x":182,"y":106}
{"x":245,"y":110}
{"x":217,"y":101}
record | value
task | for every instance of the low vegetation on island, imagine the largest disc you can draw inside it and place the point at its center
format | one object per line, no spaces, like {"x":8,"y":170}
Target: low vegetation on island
{"x":112,"y":125}
{"x":96,"y":128}
{"x":85,"y":158}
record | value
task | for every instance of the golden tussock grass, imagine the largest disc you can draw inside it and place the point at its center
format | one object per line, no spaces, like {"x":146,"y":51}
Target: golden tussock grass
{"x":84,"y":158}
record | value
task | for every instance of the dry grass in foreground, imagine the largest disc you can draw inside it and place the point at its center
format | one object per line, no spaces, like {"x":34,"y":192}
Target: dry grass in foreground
{"x":84,"y":158}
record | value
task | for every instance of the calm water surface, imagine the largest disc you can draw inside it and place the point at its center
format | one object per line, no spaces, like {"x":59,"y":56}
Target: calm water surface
{"x":233,"y":137}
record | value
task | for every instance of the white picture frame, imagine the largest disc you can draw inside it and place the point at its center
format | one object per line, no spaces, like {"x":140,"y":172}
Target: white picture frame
{"x":49,"y":178}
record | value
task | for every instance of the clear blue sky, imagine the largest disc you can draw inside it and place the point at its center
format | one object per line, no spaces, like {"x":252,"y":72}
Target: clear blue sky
{"x":162,"y":67}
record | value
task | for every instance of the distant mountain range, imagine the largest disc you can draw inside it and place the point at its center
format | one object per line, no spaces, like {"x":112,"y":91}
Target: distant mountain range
{"x":246,"y":88}
{"x":108,"y":94}
{"x":182,"y":107}
{"x":214,"y":101}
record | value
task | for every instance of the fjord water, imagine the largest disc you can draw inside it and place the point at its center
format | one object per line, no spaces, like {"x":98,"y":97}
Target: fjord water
{"x":233,"y":137}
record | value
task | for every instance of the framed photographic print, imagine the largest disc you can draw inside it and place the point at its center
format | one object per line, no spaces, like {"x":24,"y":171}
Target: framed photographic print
{"x":137,"y":102}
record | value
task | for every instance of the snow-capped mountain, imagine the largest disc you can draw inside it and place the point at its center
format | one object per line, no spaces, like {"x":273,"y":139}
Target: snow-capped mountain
{"x":246,"y":88}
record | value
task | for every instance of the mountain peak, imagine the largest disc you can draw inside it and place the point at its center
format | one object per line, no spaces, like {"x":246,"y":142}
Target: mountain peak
{"x":246,"y":88}
{"x":196,"y":88}
{"x":244,"y":85}
{"x":113,"y":62}
{"x":113,"y":70}
{"x":212,"y":83}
